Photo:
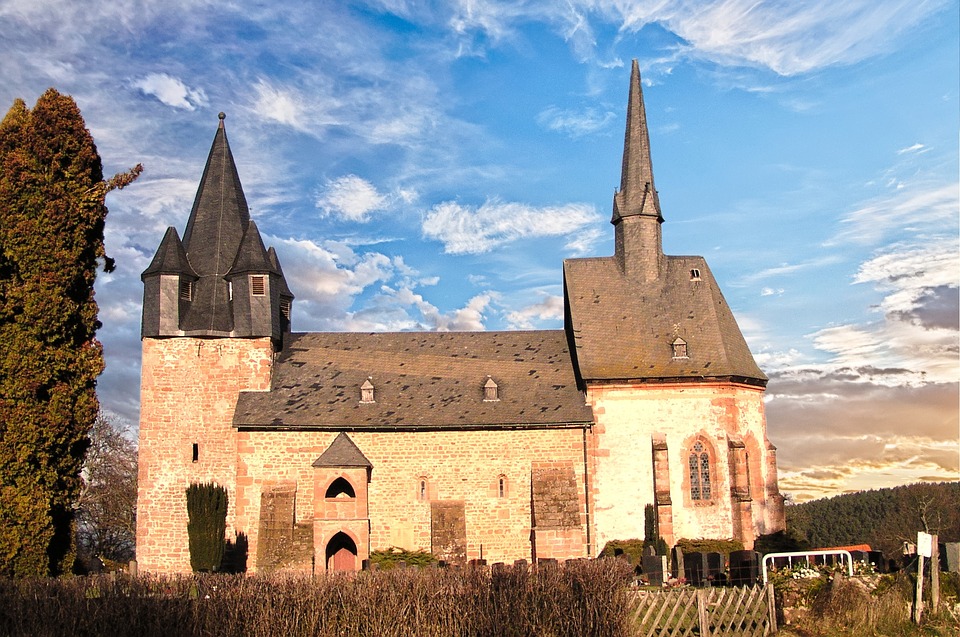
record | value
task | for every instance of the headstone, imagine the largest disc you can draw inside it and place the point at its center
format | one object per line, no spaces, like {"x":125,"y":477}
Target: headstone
{"x":677,"y":567}
{"x":876,"y":558}
{"x":950,"y":557}
{"x":655,"y":568}
{"x":693,"y":568}
{"x":744,"y":568}
{"x":714,"y":567}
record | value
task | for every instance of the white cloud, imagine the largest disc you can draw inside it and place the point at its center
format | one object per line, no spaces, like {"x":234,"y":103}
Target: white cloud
{"x":766,"y":291}
{"x":550,"y":308}
{"x":352,"y":198}
{"x":902,"y":210}
{"x":575,"y":123}
{"x":466,"y":230}
{"x":171,"y":91}
{"x":916,"y":148}
{"x":308,"y":112}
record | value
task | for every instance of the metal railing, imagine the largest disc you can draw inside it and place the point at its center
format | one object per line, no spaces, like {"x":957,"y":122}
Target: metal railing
{"x":843,"y":554}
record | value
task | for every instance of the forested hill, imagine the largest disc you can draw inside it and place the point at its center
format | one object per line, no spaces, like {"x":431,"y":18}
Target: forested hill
{"x":882,"y":518}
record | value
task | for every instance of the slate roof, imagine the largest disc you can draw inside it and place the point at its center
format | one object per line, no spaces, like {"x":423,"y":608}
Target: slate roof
{"x":342,"y":452}
{"x":170,"y":258}
{"x":623,"y":328}
{"x":213,"y":236}
{"x":421,"y":379}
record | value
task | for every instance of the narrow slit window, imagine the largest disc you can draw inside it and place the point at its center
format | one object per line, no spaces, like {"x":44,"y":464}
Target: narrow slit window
{"x":186,"y":290}
{"x":229,"y":290}
{"x":502,"y":487}
{"x":422,"y":490}
{"x":258,"y":285}
{"x":196,"y":452}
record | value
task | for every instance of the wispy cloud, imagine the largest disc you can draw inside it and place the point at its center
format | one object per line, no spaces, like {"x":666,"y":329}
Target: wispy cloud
{"x":549,"y":308}
{"x":575,"y":123}
{"x":467,"y":230}
{"x":903,"y":210}
{"x":171,"y":91}
{"x":351,"y":198}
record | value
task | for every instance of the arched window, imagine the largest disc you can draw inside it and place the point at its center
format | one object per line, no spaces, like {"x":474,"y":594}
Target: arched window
{"x":422,"y":489}
{"x":699,"y":466}
{"x":340,"y":488}
{"x":502,"y":486}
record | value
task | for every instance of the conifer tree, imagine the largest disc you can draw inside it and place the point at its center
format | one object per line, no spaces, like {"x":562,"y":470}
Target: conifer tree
{"x":207,"y":515}
{"x":52,"y":216}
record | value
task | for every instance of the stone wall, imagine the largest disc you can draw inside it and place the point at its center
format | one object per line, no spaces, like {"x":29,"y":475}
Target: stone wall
{"x":188,"y":393}
{"x":631,"y":418}
{"x":463,"y":467}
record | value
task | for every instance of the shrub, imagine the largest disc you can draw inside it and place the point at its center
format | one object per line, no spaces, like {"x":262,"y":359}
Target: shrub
{"x":207,"y":513}
{"x":393,"y":556}
{"x":709,"y":546}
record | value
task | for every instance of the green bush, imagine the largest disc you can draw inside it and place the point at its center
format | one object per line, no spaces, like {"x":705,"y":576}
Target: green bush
{"x":709,"y":546}
{"x":207,"y":513}
{"x":393,"y":556}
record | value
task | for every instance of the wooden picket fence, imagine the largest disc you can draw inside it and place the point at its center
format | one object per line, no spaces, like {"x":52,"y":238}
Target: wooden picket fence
{"x":707,"y":612}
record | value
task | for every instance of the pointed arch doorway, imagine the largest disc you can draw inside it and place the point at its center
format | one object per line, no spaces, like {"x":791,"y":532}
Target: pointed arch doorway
{"x":341,"y":553}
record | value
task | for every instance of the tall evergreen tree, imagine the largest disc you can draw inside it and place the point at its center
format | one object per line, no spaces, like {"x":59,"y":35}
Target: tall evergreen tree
{"x":52,"y":216}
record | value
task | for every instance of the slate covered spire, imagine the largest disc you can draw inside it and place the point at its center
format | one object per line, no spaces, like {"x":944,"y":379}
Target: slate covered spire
{"x":636,"y":206}
{"x":229,"y":284}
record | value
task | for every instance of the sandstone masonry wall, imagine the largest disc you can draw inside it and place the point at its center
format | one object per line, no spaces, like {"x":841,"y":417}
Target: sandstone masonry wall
{"x":188,"y":393}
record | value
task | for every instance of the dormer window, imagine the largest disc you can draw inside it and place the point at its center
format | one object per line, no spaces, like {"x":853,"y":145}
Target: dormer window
{"x":491,"y":392}
{"x":694,"y":274}
{"x":258,"y":285}
{"x":679,"y":348}
{"x":186,"y":290}
{"x":366,"y":392}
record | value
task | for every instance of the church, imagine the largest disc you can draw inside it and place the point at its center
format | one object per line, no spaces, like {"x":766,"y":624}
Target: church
{"x":470,"y":445}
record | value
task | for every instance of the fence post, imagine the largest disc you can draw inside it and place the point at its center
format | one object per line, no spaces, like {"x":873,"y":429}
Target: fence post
{"x":702,"y":612}
{"x":772,"y":608}
{"x":935,"y":575}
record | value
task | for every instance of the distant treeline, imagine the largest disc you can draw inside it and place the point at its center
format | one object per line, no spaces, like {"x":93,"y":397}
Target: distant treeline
{"x":882,"y":518}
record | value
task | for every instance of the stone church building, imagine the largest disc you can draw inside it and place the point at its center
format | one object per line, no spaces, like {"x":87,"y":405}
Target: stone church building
{"x":494,"y":445}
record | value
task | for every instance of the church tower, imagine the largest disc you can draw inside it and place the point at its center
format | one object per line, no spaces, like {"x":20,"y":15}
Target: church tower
{"x":216,"y":308}
{"x":675,"y":391}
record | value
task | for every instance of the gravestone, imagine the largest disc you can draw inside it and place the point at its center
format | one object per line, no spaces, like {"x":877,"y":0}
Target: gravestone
{"x":744,"y":568}
{"x":693,"y":568}
{"x":950,"y":557}
{"x":713,"y":569}
{"x":655,"y":569}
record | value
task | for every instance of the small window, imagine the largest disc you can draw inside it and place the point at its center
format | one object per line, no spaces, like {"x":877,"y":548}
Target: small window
{"x":366,"y":391}
{"x":186,"y":290}
{"x":699,"y":466}
{"x":502,"y":487}
{"x":679,"y":348}
{"x":491,"y":392}
{"x":196,"y":452}
{"x":422,"y":490}
{"x":694,"y":274}
{"x":229,"y":290}
{"x":258,"y":285}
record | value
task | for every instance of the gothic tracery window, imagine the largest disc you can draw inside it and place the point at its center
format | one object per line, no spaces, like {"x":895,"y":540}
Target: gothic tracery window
{"x":699,"y":466}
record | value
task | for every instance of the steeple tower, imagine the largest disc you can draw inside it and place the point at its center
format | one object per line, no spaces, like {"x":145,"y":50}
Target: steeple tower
{"x":636,"y":206}
{"x":220,"y":280}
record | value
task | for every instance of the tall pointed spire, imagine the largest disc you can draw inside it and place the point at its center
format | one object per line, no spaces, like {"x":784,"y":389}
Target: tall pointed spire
{"x":212,"y":238}
{"x":637,"y":195}
{"x":638,"y":242}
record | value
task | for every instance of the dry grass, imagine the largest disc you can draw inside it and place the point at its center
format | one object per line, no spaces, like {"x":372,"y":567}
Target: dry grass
{"x":578,"y":598}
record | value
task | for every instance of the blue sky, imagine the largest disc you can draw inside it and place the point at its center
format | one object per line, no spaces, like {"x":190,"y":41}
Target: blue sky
{"x":428,"y":165}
